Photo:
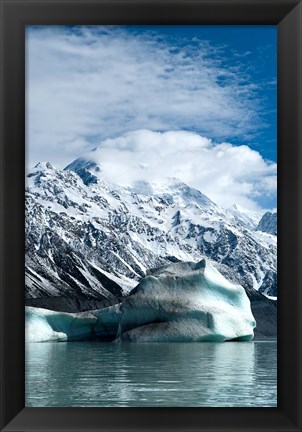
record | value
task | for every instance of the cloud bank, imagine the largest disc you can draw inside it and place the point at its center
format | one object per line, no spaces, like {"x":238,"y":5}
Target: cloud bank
{"x":86,"y":84}
{"x":226,"y":173}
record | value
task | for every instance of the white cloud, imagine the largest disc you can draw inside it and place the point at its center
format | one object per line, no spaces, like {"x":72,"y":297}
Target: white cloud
{"x":226,"y":173}
{"x":98,"y":82}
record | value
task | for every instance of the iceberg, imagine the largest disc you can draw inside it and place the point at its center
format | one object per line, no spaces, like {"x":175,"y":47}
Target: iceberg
{"x":186,"y":302}
{"x":43,"y":325}
{"x":178,"y":302}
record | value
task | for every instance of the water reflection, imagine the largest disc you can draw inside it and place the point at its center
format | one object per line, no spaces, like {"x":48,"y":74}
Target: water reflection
{"x":166,"y":374}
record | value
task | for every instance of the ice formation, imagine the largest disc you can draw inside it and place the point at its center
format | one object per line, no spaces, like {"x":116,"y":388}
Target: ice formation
{"x":177,"y":302}
{"x":43,"y":325}
{"x":186,"y":302}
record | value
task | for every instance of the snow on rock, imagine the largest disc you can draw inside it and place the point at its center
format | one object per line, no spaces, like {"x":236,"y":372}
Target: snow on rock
{"x":85,"y":236}
{"x":209,"y":237}
{"x":177,"y":302}
{"x":268,"y":223}
{"x":247,"y":218}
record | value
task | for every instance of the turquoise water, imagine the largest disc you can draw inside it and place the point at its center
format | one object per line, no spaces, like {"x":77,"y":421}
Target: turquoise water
{"x":94,"y":374}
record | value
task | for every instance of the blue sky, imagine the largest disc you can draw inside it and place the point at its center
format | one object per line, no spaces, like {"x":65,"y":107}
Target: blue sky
{"x":90,"y":86}
{"x":253,"y":49}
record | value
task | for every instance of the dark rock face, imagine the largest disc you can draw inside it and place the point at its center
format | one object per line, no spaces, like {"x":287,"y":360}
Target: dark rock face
{"x":265,"y":314}
{"x":86,"y":170}
{"x":56,"y":268}
{"x":268,"y":223}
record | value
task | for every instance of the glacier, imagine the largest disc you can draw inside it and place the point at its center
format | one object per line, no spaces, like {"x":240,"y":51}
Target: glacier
{"x":181,"y":301}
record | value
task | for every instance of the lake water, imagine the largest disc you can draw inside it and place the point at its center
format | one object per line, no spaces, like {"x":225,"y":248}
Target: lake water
{"x":94,"y":374}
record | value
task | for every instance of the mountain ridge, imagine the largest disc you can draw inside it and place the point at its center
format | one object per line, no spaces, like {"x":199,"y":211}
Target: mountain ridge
{"x":83,"y":236}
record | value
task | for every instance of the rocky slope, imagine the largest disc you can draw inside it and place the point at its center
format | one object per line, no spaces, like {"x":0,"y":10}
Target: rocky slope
{"x":268,"y":223}
{"x":86,"y":238}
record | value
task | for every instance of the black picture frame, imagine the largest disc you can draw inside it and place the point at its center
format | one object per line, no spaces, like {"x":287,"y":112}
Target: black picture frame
{"x":287,"y":15}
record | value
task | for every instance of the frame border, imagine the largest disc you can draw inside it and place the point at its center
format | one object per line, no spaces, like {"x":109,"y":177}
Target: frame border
{"x":287,"y":15}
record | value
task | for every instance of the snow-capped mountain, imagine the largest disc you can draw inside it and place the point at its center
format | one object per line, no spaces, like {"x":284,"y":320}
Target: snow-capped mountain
{"x":87,"y":237}
{"x":249,"y":218}
{"x":268,"y":223}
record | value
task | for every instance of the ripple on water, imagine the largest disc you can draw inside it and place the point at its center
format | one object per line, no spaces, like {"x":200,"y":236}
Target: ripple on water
{"x":91,"y":374}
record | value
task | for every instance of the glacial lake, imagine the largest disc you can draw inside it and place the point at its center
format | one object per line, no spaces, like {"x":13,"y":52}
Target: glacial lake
{"x":95,"y":374}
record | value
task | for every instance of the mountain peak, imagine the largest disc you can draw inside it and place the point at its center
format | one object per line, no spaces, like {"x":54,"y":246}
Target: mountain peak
{"x":268,"y":223}
{"x":82,"y":162}
{"x":189,"y":195}
{"x":87,"y":170}
{"x":43,"y":165}
{"x":39,"y":168}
